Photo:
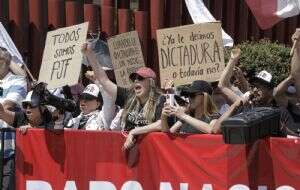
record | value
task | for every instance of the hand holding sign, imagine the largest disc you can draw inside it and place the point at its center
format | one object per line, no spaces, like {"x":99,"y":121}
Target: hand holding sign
{"x":295,"y":39}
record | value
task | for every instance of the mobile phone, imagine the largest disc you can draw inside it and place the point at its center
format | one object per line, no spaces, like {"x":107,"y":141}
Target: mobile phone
{"x":170,"y":99}
{"x":180,"y":101}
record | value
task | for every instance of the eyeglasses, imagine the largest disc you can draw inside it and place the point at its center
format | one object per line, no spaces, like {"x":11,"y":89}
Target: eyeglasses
{"x":27,"y":105}
{"x":137,"y":77}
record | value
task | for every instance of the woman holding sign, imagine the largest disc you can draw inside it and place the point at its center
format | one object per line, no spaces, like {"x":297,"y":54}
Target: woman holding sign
{"x":141,"y":108}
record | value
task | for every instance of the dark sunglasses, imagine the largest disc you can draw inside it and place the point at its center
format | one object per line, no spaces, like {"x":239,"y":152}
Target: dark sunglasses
{"x":137,"y":77}
{"x":27,"y":105}
{"x":194,"y":95}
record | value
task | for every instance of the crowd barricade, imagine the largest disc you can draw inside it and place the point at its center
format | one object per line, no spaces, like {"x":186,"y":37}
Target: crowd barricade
{"x":90,"y":160}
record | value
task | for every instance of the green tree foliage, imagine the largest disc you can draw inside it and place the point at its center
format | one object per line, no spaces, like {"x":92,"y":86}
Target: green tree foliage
{"x":264,"y":55}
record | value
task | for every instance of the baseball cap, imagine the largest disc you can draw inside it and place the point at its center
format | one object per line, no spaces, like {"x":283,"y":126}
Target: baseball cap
{"x":144,"y":72}
{"x":198,"y":86}
{"x":264,"y":77}
{"x":91,"y":92}
{"x":31,"y":99}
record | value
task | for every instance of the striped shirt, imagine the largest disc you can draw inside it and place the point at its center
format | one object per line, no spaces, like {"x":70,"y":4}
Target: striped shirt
{"x":14,"y":90}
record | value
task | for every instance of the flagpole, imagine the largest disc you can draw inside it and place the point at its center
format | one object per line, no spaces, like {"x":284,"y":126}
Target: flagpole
{"x":29,"y":73}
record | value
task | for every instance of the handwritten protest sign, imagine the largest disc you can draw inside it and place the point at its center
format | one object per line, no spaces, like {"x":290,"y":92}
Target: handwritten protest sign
{"x":126,"y":53}
{"x":61,"y":64}
{"x":191,"y":52}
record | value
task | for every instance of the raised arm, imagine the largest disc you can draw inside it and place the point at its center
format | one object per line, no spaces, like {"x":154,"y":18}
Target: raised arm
{"x":227,"y":73}
{"x":229,"y":95}
{"x":216,"y":128}
{"x":100,"y":74}
{"x":279,"y":91}
{"x":295,"y":65}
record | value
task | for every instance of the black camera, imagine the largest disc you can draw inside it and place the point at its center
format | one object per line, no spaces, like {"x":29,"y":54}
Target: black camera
{"x":46,"y":98}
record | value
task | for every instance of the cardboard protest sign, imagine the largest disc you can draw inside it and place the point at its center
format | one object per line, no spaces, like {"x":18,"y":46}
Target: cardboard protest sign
{"x":126,"y":53}
{"x":191,"y":52}
{"x":62,"y":58}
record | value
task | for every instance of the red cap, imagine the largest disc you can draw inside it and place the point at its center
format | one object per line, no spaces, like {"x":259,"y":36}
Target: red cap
{"x":145,"y":72}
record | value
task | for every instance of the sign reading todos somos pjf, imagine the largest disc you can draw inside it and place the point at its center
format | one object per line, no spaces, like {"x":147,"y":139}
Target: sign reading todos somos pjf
{"x":126,"y":54}
{"x":191,"y":52}
{"x":61,"y":64}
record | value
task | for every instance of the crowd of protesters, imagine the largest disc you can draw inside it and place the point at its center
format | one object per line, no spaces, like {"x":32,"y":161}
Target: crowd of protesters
{"x":200,"y":107}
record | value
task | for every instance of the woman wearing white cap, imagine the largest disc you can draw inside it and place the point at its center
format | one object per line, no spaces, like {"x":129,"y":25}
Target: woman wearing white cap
{"x":90,"y":102}
{"x":141,"y":108}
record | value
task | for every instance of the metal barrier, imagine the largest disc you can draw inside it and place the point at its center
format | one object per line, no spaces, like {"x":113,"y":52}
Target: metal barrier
{"x":3,"y":131}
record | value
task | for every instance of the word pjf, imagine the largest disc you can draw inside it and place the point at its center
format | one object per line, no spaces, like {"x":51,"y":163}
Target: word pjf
{"x":59,"y":69}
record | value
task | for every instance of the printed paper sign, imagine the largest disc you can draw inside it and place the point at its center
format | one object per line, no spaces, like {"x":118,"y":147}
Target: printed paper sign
{"x":191,"y":52}
{"x":62,"y":58}
{"x":126,"y":53}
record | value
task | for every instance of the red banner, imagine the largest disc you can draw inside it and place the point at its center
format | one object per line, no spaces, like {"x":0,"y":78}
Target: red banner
{"x":85,"y":160}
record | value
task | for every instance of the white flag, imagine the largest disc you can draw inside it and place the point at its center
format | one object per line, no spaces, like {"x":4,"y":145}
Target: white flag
{"x":7,"y":43}
{"x":200,"y":14}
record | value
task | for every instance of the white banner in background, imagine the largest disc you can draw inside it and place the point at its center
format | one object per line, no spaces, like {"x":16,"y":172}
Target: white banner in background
{"x":200,"y":14}
{"x":7,"y":43}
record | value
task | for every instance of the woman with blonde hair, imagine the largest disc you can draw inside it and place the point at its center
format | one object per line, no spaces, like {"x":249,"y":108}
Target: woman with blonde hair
{"x":141,"y":105}
{"x":200,"y":116}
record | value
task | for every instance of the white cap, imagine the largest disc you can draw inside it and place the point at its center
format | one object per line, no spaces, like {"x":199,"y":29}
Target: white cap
{"x":91,"y":89}
{"x":32,"y":98}
{"x":264,"y":76}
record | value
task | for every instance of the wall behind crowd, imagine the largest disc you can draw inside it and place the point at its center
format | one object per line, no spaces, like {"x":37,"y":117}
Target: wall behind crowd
{"x":29,"y":21}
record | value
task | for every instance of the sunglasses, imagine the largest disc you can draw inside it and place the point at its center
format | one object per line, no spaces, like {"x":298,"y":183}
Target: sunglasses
{"x":137,"y":77}
{"x":194,"y":95}
{"x":27,"y":105}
